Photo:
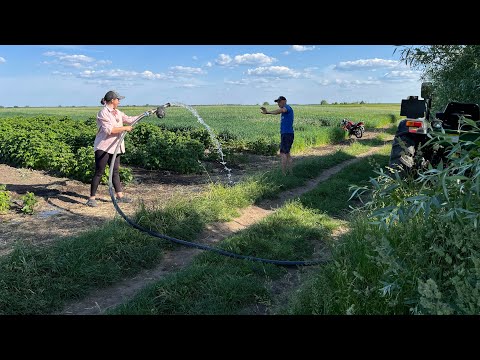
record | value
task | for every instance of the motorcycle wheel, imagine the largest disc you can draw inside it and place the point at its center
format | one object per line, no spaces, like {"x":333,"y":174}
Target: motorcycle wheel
{"x":358,"y":133}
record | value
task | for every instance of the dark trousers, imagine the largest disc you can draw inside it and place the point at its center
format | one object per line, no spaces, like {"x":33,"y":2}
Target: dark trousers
{"x":103,"y":158}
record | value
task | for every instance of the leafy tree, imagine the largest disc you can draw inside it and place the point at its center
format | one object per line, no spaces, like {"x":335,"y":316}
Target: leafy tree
{"x":265,"y":103}
{"x":454,"y":70}
{"x":324,"y":102}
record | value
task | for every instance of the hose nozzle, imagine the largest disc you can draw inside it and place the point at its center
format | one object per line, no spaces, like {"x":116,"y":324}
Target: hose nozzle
{"x":160,"y":112}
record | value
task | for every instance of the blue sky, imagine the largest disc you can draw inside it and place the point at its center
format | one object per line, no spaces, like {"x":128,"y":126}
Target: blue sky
{"x":53,"y":75}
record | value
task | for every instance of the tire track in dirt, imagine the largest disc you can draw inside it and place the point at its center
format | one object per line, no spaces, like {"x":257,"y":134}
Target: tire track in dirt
{"x":102,"y":299}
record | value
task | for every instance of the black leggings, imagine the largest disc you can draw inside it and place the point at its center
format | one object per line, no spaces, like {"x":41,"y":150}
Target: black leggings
{"x":101,"y":160}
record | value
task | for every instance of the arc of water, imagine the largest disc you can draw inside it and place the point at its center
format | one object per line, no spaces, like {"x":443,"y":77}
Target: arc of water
{"x":212,"y":136}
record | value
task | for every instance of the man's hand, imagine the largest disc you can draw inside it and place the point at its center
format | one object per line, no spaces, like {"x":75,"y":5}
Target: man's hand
{"x":264,"y":110}
{"x":128,"y":128}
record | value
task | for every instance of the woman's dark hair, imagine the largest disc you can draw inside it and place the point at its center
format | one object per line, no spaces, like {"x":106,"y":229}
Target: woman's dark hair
{"x":102,"y":101}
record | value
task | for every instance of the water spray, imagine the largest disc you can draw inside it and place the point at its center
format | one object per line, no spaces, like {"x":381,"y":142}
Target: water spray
{"x":212,"y":136}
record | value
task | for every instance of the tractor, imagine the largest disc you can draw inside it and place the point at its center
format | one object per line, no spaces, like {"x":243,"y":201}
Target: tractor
{"x":423,"y":139}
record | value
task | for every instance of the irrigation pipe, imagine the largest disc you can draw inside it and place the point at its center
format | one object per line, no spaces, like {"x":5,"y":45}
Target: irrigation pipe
{"x":184,"y":242}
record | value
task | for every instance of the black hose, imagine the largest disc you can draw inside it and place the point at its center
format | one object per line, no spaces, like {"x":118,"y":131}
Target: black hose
{"x":184,"y":242}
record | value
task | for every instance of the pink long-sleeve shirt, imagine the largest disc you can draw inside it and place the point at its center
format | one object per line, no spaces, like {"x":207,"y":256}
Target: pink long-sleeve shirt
{"x":106,"y":121}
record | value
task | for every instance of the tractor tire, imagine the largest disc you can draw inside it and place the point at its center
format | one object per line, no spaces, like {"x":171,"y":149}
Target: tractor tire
{"x":403,"y":148}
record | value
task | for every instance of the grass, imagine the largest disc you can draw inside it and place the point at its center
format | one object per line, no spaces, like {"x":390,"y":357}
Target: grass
{"x":373,"y":272}
{"x":38,"y":280}
{"x":321,"y":197}
{"x":213,"y":284}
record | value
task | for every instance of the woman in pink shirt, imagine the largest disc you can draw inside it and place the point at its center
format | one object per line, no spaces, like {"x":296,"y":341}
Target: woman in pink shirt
{"x":110,"y":126}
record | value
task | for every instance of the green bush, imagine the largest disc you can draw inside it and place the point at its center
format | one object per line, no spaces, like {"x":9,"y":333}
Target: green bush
{"x":336,"y":134}
{"x":442,"y":207}
{"x":263,"y":146}
{"x":29,"y":201}
{"x":126,"y":175}
{"x":155,"y":148}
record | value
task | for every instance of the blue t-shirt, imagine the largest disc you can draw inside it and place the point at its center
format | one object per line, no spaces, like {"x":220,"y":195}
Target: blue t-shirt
{"x":286,"y":122}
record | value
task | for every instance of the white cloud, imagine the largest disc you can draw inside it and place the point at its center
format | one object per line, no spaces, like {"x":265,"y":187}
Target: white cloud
{"x":53,"y":53}
{"x":308,"y":72}
{"x":77,"y":61}
{"x":286,"y":52}
{"x":254,"y":59}
{"x":245,"y":59}
{"x":2,"y":60}
{"x":277,"y":71}
{"x":209,"y":64}
{"x":114,"y":74}
{"x":323,"y":82}
{"x":223,"y":59}
{"x":99,"y":82}
{"x":152,"y":76}
{"x":366,"y":64}
{"x":76,"y":58}
{"x":406,"y":75}
{"x":194,"y":57}
{"x":238,"y":82}
{"x":188,"y":86}
{"x":302,"y":47}
{"x":187,"y":70}
{"x":104,"y":62}
{"x":62,"y":73}
{"x":356,"y":82}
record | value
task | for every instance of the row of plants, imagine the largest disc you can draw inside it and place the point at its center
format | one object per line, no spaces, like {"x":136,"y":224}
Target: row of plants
{"x":64,"y":146}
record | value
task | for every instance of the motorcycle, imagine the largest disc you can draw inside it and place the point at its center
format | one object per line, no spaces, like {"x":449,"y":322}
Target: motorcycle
{"x":356,"y":129}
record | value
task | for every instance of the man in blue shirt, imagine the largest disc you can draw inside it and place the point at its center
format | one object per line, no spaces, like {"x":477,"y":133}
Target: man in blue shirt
{"x":286,"y":131}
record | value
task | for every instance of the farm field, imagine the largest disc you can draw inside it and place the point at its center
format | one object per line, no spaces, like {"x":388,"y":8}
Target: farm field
{"x":62,"y":219}
{"x":47,"y":151}
{"x":370,"y":212}
{"x":66,"y":258}
{"x":314,"y":124}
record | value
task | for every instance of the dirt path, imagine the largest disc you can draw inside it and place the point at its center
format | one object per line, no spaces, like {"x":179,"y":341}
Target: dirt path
{"x":100,"y":300}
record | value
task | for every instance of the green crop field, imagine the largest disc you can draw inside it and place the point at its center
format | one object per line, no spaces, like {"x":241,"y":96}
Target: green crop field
{"x":314,"y":124}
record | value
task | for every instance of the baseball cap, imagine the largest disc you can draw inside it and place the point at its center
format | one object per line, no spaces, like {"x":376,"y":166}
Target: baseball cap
{"x":111,"y":95}
{"x":280,"y":98}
